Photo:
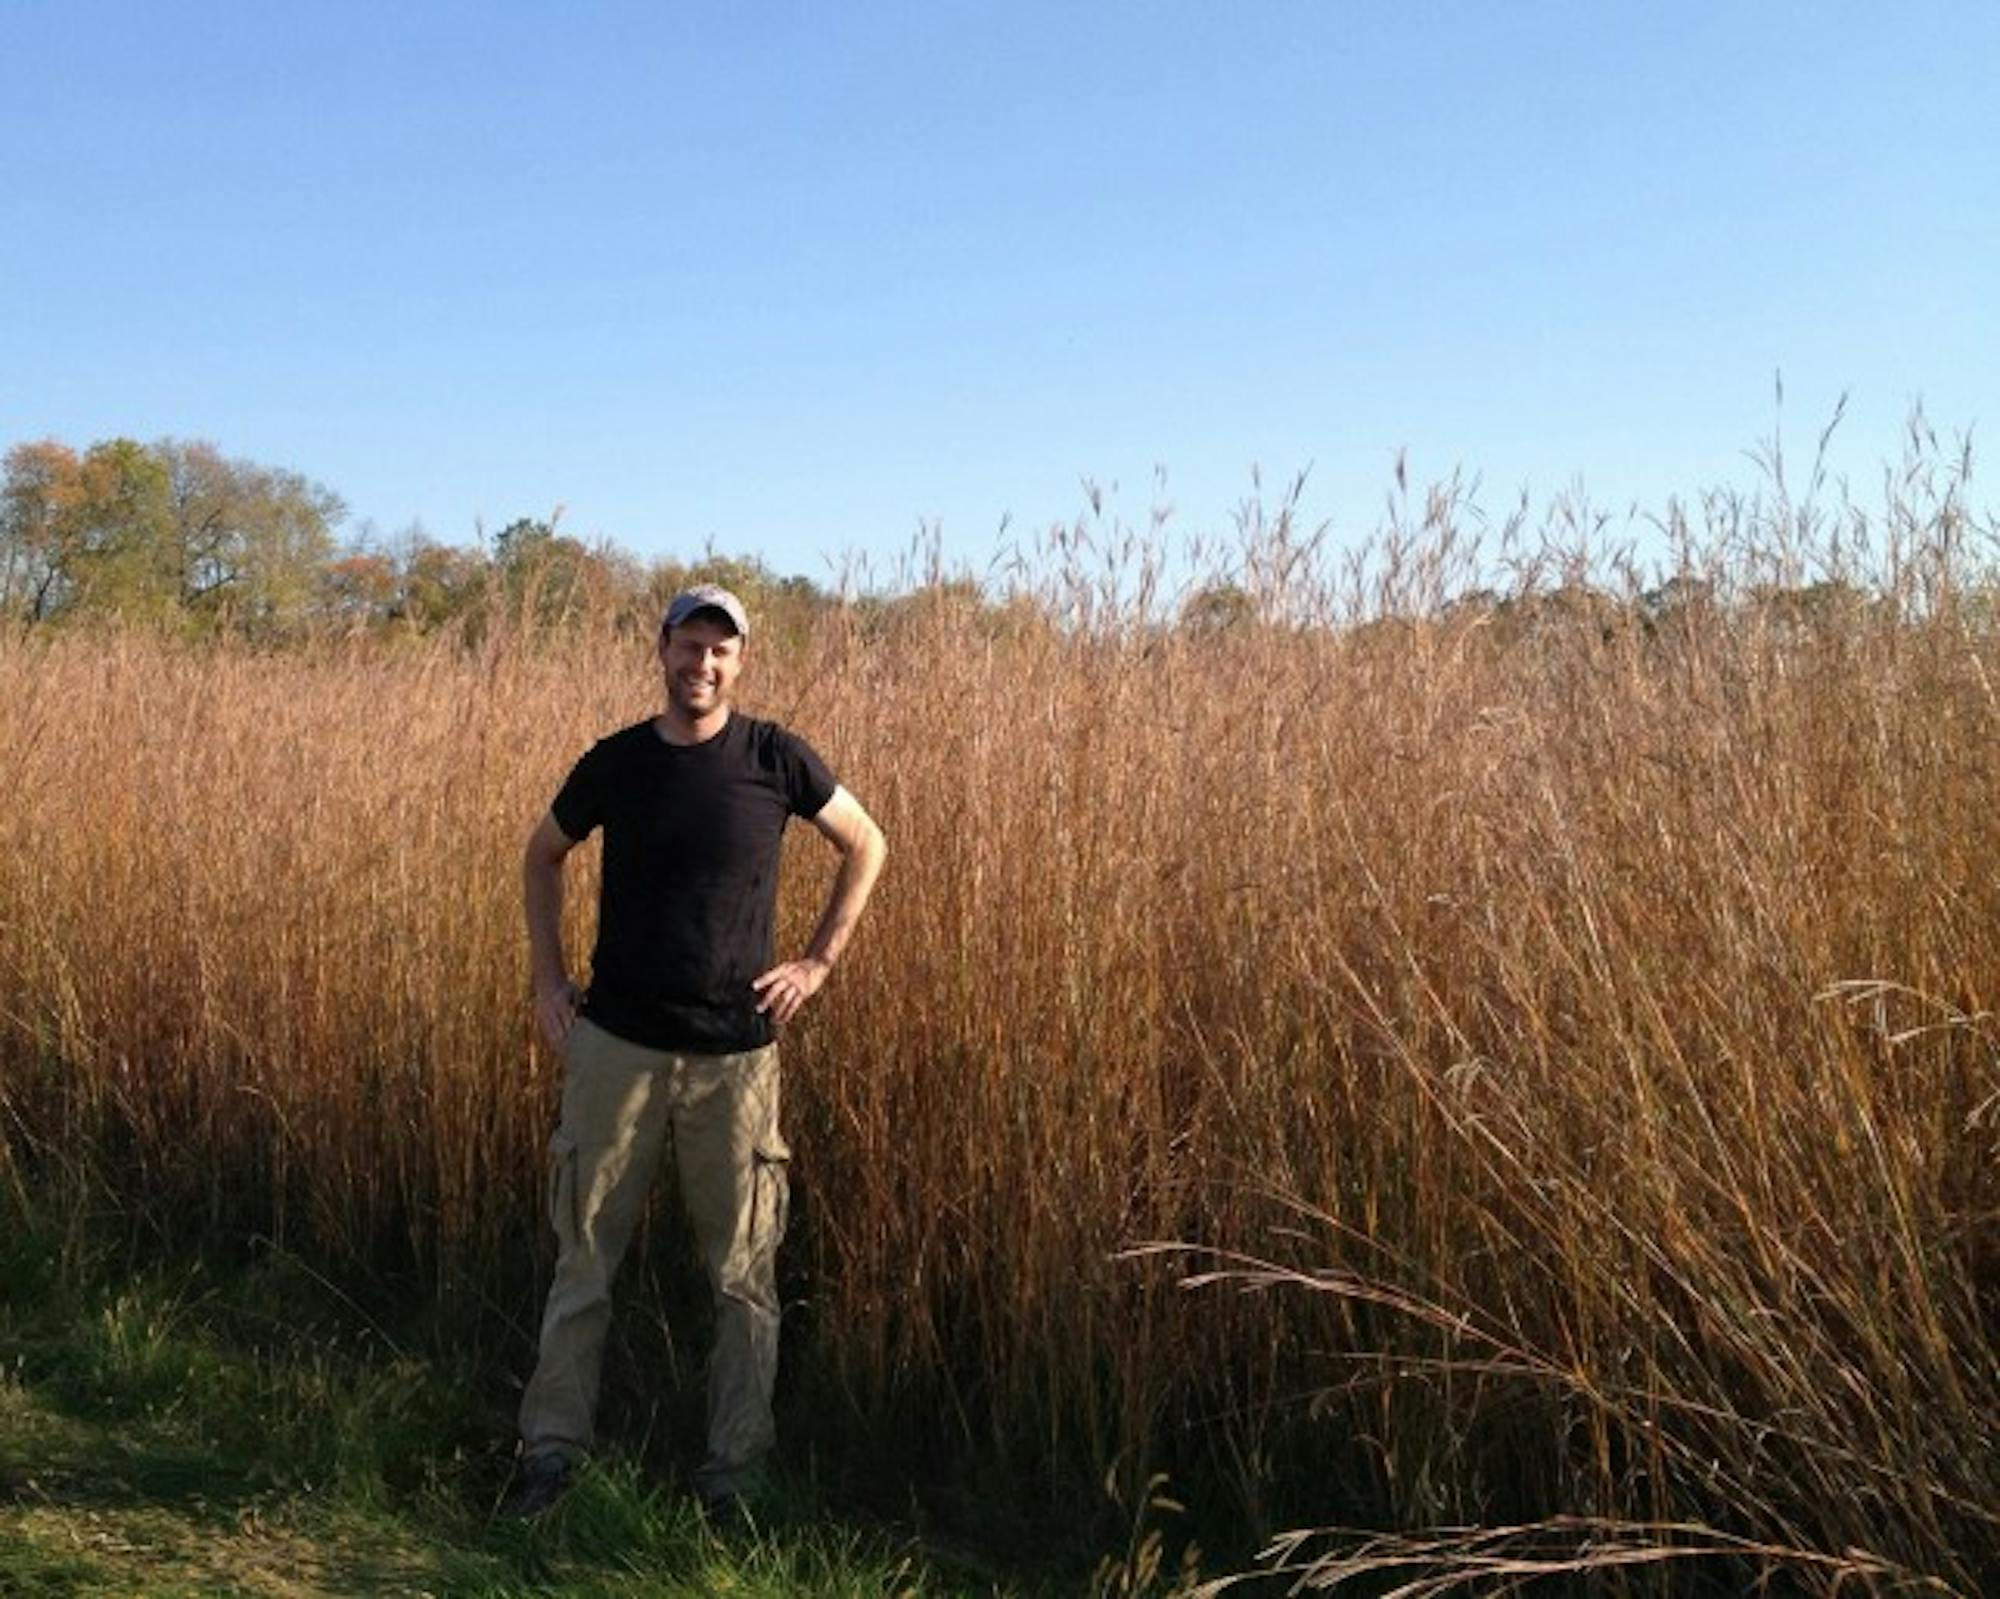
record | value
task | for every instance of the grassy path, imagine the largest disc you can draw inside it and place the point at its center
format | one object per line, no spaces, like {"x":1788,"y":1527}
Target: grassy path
{"x":148,"y":1447}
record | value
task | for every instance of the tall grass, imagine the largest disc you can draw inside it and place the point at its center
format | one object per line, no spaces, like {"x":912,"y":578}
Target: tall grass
{"x":1573,"y":1008}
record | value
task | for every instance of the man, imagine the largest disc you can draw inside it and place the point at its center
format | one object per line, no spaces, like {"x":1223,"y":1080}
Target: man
{"x":676,"y":1036}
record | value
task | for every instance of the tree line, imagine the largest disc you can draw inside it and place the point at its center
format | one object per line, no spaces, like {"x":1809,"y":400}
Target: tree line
{"x":178,"y":533}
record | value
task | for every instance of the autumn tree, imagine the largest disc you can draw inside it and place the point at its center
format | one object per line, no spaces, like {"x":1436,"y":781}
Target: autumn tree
{"x":359,"y":587}
{"x":440,"y":583}
{"x":36,"y":528}
{"x":86,"y":533}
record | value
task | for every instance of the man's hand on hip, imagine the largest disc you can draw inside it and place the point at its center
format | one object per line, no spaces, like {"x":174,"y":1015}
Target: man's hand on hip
{"x":555,"y":1010}
{"x":785,"y":988}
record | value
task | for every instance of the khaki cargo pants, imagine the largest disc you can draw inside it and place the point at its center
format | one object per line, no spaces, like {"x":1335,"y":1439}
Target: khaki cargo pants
{"x":620,"y":1101}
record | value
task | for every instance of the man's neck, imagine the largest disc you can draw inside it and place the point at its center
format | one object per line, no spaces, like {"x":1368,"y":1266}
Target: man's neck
{"x":676,"y":727}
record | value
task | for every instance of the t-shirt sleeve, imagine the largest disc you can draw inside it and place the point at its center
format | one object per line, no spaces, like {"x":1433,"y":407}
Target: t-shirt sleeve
{"x":808,"y":782}
{"x":579,"y":805}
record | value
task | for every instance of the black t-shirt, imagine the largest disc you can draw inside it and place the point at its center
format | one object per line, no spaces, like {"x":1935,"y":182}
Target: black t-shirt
{"x":691,"y":835}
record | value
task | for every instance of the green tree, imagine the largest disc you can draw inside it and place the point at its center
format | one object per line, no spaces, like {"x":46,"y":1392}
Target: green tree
{"x":124,"y":560}
{"x":548,"y":578}
{"x":780,"y":607}
{"x":250,"y":543}
{"x":171,"y":531}
{"x":522,"y":543}
{"x":1219,"y":608}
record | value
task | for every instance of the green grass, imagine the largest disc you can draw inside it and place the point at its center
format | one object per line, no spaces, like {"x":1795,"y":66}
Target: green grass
{"x":199,"y":1431}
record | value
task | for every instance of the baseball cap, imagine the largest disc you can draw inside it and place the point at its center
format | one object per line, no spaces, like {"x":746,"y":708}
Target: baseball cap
{"x":708,"y":597}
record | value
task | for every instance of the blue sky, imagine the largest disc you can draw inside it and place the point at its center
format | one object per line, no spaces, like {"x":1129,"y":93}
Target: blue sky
{"x":795,"y":279}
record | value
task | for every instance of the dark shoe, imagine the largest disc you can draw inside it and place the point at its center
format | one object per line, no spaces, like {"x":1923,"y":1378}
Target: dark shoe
{"x":543,"y":1479}
{"x":728,"y":1514}
{"x":734,"y":1498}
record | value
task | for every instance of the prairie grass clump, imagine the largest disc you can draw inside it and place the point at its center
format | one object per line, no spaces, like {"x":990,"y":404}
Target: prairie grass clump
{"x":1567,"y":996}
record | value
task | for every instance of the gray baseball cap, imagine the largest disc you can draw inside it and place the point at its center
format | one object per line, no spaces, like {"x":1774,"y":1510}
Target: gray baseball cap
{"x":708,"y":597}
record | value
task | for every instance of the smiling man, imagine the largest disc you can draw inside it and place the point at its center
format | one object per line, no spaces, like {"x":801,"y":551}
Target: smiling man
{"x":676,"y":1037}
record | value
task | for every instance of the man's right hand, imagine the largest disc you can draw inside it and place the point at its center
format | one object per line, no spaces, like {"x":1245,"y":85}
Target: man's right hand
{"x":555,"y":1010}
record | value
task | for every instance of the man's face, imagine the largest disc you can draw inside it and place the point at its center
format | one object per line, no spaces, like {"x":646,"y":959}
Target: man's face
{"x":702,"y":659}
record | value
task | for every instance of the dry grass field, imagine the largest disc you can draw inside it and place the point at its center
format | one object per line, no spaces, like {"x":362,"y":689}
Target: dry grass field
{"x":1559,"y":1028}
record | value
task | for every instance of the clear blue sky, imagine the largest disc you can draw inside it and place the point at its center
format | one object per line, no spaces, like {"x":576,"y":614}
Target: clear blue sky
{"x":794,"y":278}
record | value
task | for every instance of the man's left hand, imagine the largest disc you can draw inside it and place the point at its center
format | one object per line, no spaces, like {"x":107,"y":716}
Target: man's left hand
{"x":784,"y":989}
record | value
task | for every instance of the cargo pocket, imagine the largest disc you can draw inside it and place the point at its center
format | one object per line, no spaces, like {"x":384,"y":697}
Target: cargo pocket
{"x":761,"y":1223}
{"x":771,"y":1193}
{"x":563,"y":1215}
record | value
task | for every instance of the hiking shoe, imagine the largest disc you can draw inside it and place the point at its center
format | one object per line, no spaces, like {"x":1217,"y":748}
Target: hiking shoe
{"x":543,"y":1479}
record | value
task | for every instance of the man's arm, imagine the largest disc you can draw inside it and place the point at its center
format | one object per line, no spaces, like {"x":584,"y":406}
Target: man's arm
{"x":785,"y":988}
{"x":542,"y":894}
